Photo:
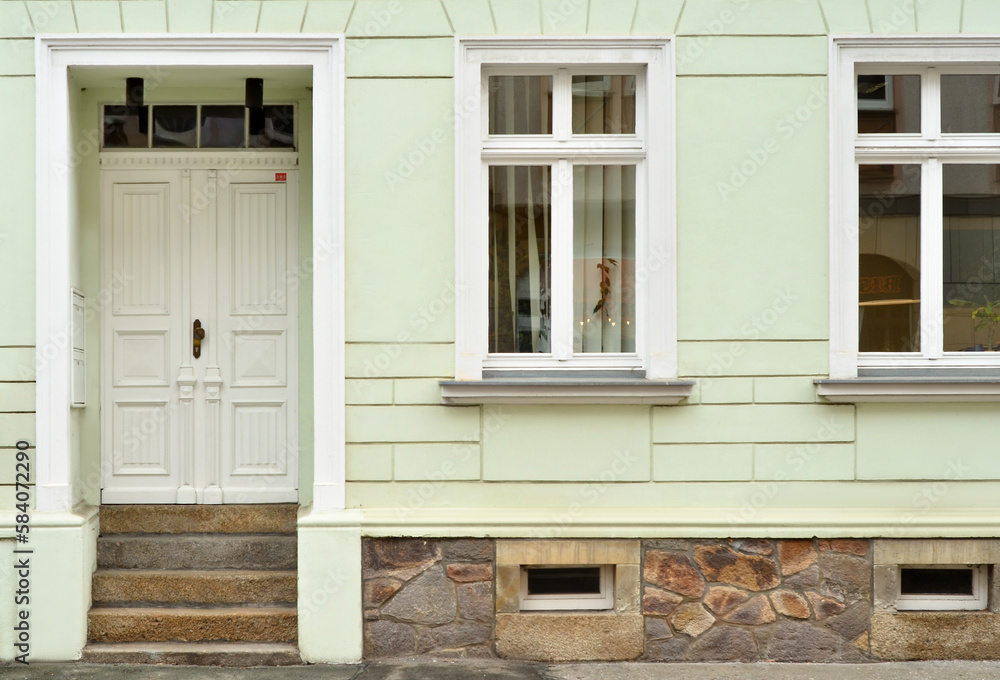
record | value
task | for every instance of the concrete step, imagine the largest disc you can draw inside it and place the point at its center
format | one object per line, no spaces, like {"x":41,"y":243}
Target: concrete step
{"x":117,"y":586}
{"x":186,"y":624}
{"x":197,"y":551}
{"x":241,"y":654}
{"x":187,"y":519}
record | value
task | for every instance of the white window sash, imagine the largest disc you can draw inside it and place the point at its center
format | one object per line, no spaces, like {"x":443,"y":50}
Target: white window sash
{"x":650,"y":150}
{"x":930,"y":58}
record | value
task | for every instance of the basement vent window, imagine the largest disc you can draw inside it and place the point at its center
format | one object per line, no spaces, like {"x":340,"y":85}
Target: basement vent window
{"x":949,"y":587}
{"x":548,"y":588}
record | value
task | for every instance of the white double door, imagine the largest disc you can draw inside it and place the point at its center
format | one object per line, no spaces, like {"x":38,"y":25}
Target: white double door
{"x":183,"y":248}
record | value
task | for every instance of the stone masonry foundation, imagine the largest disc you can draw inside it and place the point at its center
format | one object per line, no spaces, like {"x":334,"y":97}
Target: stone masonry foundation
{"x":432,"y":597}
{"x":807,"y":600}
{"x":757,"y":600}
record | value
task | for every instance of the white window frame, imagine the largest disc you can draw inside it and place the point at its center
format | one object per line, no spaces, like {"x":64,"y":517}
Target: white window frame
{"x":605,"y":599}
{"x":977,"y":601}
{"x":651,"y":148}
{"x":928,"y":57}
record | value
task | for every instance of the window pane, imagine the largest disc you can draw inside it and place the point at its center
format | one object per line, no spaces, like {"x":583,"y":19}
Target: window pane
{"x":565,"y":581}
{"x":175,"y":126}
{"x":222,"y":127}
{"x":520,"y":257}
{"x":971,"y":258}
{"x":889,"y":264}
{"x":970,"y":103}
{"x":888,"y":104}
{"x":520,"y":105}
{"x":604,"y":258}
{"x":124,"y":129}
{"x":936,"y":581}
{"x":279,"y":128}
{"x":604,"y":105}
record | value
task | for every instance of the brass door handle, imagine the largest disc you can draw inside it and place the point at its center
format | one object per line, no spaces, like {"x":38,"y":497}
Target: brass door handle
{"x":199,"y":335}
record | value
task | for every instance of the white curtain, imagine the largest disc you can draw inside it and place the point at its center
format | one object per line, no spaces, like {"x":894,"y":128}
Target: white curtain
{"x":604,"y":258}
{"x":519,"y":222}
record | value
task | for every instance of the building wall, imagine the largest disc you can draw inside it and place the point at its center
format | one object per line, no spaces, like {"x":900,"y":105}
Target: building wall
{"x":753,"y":453}
{"x":752,"y":208}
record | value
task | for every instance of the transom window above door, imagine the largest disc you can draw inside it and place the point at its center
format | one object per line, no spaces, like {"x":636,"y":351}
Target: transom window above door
{"x":196,"y":126}
{"x":565,"y":234}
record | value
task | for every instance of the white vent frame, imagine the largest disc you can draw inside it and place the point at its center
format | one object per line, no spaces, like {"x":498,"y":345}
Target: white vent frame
{"x":978,"y":601}
{"x":604,"y":600}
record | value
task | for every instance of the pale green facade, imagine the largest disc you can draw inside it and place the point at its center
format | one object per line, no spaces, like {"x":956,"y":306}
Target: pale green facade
{"x":753,"y":452}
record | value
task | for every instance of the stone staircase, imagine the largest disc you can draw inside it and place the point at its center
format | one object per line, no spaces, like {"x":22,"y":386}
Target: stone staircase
{"x":195,"y":584}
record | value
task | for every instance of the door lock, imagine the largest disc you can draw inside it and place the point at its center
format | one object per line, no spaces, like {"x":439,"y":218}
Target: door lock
{"x":199,"y":335}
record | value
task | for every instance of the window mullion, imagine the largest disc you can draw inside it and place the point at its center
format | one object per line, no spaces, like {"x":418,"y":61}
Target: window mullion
{"x":930,"y":105}
{"x":562,"y":104}
{"x":932,"y":260}
{"x":562,"y":260}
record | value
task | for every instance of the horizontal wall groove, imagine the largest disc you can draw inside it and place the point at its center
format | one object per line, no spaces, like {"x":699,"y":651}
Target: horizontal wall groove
{"x":763,"y":36}
{"x":402,"y":78}
{"x":351,"y":38}
{"x":751,"y":75}
{"x":746,"y":340}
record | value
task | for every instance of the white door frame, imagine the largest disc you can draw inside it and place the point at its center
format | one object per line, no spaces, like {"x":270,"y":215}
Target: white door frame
{"x":57,"y":487}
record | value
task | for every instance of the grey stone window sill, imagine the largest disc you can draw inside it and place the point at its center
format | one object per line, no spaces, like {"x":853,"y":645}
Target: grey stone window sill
{"x":910,"y":388}
{"x":544,"y":389}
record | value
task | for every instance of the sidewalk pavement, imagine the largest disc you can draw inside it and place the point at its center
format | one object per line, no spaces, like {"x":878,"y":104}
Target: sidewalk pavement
{"x":423,"y":669}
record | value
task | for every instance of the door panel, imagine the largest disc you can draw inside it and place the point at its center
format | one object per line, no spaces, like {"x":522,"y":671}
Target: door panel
{"x":180,"y":245}
{"x":142,"y":232}
{"x":257,"y":315}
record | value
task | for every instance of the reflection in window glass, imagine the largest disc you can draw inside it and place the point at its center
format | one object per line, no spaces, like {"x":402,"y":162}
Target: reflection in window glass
{"x":520,"y":260}
{"x":564,"y":581}
{"x":889,"y":262}
{"x":604,"y":258}
{"x":604,"y":105}
{"x":520,"y":105}
{"x":971,"y":258}
{"x":969,"y":103}
{"x":123,"y":129}
{"x":888,"y":104}
{"x":222,"y":127}
{"x":175,"y":126}
{"x":279,"y":128}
